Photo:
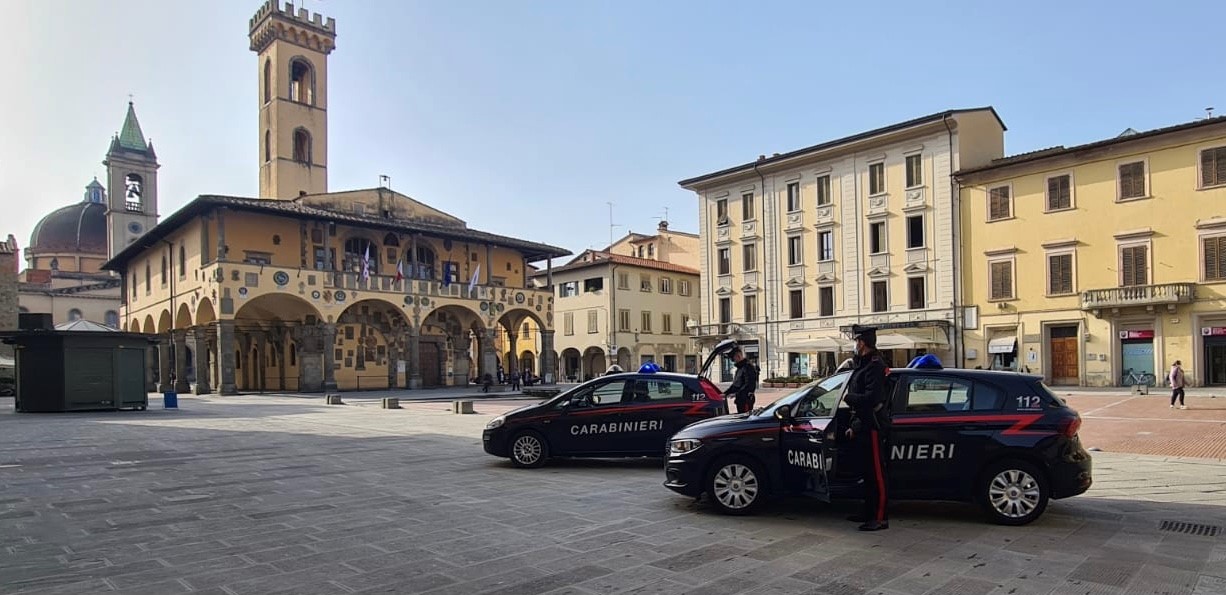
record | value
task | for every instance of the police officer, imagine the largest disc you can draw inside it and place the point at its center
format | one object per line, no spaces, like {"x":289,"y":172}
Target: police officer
{"x":744,"y":383}
{"x":870,"y":425}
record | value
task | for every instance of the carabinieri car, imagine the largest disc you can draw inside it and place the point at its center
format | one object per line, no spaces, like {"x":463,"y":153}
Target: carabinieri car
{"x":616,"y":415}
{"x":1000,"y":439}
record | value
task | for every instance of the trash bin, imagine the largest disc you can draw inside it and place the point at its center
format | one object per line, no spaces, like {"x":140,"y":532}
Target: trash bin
{"x":170,"y":399}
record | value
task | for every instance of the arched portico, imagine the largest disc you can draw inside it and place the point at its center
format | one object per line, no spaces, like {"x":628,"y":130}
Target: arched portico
{"x":278,"y":342}
{"x":452,"y":340}
{"x":572,"y":363}
{"x":522,"y":323}
{"x":594,"y":363}
{"x":373,"y":337}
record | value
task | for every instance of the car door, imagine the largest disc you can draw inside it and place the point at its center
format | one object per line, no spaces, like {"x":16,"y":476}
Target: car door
{"x":588,"y":421}
{"x":808,"y":448}
{"x":657,"y":408}
{"x":934,"y":430}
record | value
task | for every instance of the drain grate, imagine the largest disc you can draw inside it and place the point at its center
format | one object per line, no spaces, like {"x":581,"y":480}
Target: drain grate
{"x":1197,"y":529}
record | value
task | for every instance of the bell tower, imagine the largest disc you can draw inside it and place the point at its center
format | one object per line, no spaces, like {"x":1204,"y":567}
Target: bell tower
{"x":293,"y":50}
{"x":132,"y":185}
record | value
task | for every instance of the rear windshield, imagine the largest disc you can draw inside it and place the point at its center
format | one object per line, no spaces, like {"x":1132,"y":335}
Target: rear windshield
{"x":1043,"y":389}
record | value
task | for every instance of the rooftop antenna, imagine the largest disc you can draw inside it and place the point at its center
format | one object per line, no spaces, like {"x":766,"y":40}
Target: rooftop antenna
{"x":611,"y":224}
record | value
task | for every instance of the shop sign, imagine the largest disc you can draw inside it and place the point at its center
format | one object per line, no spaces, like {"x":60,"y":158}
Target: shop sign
{"x":1136,"y":334}
{"x":1213,"y":331}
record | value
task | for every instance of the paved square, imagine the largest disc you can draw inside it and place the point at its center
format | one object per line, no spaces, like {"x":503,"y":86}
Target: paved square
{"x":247,"y":495}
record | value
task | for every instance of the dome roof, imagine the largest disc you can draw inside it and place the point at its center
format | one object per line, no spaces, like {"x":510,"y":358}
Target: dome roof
{"x":79,"y":228}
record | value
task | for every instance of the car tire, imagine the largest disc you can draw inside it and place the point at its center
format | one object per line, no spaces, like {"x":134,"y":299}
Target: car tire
{"x":736,"y":485}
{"x":529,"y":450}
{"x":1013,"y":492}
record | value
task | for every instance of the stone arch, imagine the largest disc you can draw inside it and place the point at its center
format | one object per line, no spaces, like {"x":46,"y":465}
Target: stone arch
{"x":514,"y":318}
{"x":373,"y":336}
{"x":135,"y":326}
{"x":150,"y":329}
{"x":165,"y":323}
{"x":264,"y":327}
{"x":205,"y":314}
{"x":624,"y":358}
{"x":527,"y":361}
{"x":447,"y":334}
{"x":594,"y":362}
{"x":183,"y":319}
{"x":282,"y":307}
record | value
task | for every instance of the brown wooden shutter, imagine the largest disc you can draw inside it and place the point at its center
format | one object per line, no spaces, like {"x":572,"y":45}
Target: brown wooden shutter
{"x":1002,"y":283}
{"x":1135,"y":265}
{"x":1215,"y":258}
{"x":1213,"y":166}
{"x":1060,"y":273}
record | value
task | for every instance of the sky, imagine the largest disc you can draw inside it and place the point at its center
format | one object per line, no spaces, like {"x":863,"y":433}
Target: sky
{"x":527,"y":118}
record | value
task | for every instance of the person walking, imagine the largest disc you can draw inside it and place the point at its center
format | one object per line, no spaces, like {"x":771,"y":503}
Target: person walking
{"x":1177,"y":384}
{"x":870,"y":426}
{"x":744,"y":383}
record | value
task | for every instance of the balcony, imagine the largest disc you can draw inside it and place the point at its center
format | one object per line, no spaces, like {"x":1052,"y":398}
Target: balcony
{"x":1169,"y":295}
{"x":736,"y":330}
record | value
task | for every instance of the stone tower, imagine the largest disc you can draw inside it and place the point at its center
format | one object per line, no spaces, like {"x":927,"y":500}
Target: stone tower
{"x":132,"y":185}
{"x":293,"y":53}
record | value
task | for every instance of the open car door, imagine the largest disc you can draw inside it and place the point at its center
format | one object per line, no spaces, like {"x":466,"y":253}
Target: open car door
{"x":807,"y":438}
{"x":721,"y":349}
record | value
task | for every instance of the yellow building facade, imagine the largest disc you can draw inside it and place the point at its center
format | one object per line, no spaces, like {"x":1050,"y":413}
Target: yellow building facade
{"x":1087,"y":263}
{"x":303,"y":289}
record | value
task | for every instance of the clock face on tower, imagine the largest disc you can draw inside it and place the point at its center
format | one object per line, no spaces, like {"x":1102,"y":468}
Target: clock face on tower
{"x":135,"y":227}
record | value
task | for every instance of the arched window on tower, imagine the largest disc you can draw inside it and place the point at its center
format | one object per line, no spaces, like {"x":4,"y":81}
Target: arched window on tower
{"x":302,"y":146}
{"x":356,"y":251}
{"x":112,"y":319}
{"x":267,"y":80}
{"x":74,"y":314}
{"x":267,"y":145}
{"x":301,"y":81}
{"x":163,"y":270}
{"x":55,"y":264}
{"x":133,"y":189}
{"x":182,"y":261}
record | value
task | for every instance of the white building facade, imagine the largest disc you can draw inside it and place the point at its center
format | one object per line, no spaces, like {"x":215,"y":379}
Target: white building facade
{"x":797,"y":247}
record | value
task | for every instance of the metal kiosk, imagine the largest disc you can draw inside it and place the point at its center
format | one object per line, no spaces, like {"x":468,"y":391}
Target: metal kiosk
{"x":79,"y":370}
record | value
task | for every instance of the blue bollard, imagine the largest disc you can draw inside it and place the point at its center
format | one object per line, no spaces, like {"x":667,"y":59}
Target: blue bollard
{"x":170,"y":399}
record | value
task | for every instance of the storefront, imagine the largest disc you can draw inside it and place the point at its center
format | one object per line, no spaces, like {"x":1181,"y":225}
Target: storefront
{"x":1213,"y":339}
{"x":1136,"y":353}
{"x":1002,"y":348}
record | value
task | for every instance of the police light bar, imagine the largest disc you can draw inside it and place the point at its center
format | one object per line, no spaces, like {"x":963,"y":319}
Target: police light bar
{"x":649,"y":368}
{"x":927,"y":361}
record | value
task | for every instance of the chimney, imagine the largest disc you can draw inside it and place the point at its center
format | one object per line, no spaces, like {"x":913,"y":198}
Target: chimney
{"x":761,"y":157}
{"x":663,"y":225}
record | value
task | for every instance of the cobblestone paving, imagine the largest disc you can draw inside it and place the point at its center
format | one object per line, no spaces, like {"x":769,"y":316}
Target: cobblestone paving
{"x":1147,"y":424}
{"x":262,"y":495}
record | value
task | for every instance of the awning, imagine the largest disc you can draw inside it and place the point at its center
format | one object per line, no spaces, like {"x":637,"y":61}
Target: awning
{"x":911,"y":338}
{"x":818,"y":345}
{"x":1003,"y":344}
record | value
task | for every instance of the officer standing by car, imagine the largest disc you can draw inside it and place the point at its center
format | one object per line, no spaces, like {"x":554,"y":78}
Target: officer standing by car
{"x":744,"y":383}
{"x":870,"y":425}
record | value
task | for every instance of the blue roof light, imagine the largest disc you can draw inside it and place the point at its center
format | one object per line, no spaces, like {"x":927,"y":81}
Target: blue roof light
{"x":649,"y":368}
{"x":927,"y":361}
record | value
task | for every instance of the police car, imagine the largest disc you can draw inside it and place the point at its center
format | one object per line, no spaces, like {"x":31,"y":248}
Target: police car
{"x":999,"y":439}
{"x":616,"y":415}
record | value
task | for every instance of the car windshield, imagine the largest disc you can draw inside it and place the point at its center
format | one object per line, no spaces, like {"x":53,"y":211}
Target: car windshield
{"x":816,"y":399}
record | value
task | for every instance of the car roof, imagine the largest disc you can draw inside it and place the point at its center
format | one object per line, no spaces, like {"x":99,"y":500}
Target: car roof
{"x":968,"y":373}
{"x":648,"y":375}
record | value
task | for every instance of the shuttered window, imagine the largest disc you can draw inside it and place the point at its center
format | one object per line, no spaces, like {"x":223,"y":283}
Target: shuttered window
{"x":1132,"y":180}
{"x":1059,"y":193}
{"x":1060,"y":274}
{"x":998,"y":203}
{"x":1134,"y":265}
{"x":1002,"y":280}
{"x":1213,"y":166}
{"x":1215,"y":258}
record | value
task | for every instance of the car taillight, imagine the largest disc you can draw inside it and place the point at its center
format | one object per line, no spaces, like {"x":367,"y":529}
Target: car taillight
{"x":710,"y":390}
{"x":1070,"y":425}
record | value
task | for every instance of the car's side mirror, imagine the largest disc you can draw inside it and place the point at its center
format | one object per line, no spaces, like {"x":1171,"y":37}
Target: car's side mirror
{"x":783,"y":413}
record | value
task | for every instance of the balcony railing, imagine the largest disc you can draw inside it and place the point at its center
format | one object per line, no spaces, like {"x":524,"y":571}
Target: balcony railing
{"x":255,"y":275}
{"x":1138,"y":295}
{"x":723,"y":329}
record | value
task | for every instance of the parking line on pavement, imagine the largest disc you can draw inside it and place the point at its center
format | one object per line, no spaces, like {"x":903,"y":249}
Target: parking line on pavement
{"x":1093,"y":411}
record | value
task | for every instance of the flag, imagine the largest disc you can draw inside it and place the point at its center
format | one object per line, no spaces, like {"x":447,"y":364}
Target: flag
{"x":366,"y":264}
{"x":399,"y":269}
{"x":446,"y":274}
{"x":472,"y":284}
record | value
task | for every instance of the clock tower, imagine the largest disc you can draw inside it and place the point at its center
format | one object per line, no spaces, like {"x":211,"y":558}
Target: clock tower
{"x":132,"y":190}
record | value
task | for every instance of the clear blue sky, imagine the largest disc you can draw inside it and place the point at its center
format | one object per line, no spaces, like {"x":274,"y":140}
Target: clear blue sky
{"x":525,"y":118}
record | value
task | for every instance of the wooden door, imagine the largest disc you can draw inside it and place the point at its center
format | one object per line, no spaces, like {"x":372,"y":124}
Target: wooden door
{"x":430,"y":375}
{"x":1064,"y":364}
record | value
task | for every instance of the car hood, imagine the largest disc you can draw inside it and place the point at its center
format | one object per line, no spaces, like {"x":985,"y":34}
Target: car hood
{"x":723,"y":423}
{"x":535,"y":407}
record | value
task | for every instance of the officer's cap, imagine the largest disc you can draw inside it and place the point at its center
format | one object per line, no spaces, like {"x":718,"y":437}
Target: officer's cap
{"x":868,"y":334}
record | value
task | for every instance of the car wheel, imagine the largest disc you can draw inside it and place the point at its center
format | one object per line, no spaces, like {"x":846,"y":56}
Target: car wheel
{"x":736,"y":485}
{"x":1013,"y":492}
{"x":528,"y":450}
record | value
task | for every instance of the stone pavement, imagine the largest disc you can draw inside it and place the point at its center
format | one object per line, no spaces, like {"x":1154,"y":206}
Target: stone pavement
{"x":247,"y":495}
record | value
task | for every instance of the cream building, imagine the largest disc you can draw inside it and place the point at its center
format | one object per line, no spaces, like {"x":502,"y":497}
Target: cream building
{"x":628,"y":304}
{"x":799,"y":246}
{"x":1086,"y":262}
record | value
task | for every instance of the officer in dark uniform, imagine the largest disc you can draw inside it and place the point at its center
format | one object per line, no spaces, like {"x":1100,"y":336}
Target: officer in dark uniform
{"x":870,"y":425}
{"x":744,"y":383}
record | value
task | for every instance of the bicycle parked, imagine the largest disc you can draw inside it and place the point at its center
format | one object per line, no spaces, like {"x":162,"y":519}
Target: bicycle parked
{"x":1132,"y":378}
